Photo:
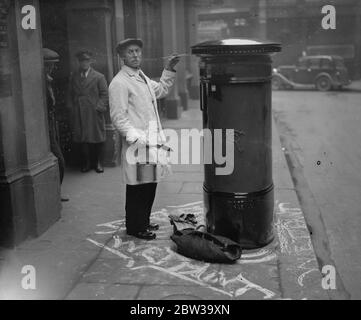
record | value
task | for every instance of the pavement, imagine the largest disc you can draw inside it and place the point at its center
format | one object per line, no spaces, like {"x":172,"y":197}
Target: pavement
{"x":321,"y":132}
{"x":354,"y":86}
{"x":87,"y":255}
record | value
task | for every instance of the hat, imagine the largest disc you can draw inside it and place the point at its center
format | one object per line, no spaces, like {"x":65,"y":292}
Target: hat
{"x":127,"y":42}
{"x":84,"y":55}
{"x":50,"y":55}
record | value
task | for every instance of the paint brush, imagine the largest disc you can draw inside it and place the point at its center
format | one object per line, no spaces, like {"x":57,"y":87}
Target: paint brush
{"x":167,"y":57}
{"x":177,"y":55}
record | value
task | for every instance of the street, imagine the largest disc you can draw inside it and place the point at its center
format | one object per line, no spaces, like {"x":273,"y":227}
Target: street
{"x":321,"y":136}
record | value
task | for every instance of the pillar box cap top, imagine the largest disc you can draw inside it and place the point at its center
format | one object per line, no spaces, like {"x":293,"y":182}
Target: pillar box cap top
{"x":236,"y":46}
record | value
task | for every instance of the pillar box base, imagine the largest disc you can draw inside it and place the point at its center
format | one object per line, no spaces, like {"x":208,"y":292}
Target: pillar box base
{"x":173,"y":108}
{"x":244,"y":218}
{"x":30,"y":203}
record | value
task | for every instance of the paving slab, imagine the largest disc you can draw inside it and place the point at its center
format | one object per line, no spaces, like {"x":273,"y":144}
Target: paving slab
{"x":96,"y":291}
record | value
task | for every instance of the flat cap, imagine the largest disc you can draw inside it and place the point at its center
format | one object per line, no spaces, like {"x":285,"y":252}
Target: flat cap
{"x":84,"y":55}
{"x":127,"y":42}
{"x":50,"y":55}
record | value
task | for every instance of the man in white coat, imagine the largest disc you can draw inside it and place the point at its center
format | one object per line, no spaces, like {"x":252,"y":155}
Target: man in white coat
{"x":134,"y":113}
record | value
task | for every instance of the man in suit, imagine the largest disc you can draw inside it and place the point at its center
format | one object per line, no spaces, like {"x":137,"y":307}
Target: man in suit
{"x":88,"y":101}
{"x":50,"y":59}
{"x":133,"y":110}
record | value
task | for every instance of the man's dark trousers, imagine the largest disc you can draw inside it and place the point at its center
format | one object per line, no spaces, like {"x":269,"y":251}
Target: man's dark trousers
{"x":138,"y":207}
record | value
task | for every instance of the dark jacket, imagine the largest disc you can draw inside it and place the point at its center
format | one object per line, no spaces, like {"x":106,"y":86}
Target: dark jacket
{"x":53,"y":127}
{"x":88,"y":103}
{"x":50,"y":103}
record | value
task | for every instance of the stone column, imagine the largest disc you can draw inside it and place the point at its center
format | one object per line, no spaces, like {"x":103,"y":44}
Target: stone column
{"x":170,"y":45}
{"x":120,"y":19}
{"x":90,"y":27}
{"x":29,"y":175}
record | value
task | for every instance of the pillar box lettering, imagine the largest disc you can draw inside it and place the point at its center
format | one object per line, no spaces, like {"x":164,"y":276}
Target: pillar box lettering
{"x":236,"y":92}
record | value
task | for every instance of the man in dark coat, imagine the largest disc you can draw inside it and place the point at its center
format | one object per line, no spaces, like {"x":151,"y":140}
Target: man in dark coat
{"x":50,"y":59}
{"x":88,"y":104}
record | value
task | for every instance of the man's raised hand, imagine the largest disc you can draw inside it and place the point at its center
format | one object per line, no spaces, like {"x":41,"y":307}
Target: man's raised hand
{"x":172,"y":62}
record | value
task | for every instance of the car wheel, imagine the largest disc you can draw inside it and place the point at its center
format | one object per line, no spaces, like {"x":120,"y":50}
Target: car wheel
{"x":276,"y":83}
{"x":323,"y":83}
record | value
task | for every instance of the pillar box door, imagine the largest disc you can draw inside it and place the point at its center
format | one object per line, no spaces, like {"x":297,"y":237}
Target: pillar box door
{"x":235,"y":81}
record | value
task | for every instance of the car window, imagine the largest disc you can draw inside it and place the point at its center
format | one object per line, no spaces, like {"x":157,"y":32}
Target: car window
{"x":314,"y":63}
{"x":326,"y":63}
{"x":302,"y":63}
{"x":339,"y":63}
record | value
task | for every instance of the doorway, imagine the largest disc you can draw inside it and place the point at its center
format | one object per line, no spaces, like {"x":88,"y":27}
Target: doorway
{"x":55,"y":37}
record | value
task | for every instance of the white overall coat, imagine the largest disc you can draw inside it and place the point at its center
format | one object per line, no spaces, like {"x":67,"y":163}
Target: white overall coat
{"x":134,"y":113}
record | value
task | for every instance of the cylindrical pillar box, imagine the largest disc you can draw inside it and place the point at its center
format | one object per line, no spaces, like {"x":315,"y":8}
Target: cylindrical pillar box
{"x":235,"y":82}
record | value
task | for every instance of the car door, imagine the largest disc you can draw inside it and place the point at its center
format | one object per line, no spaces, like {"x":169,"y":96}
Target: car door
{"x":301,"y":71}
{"x":314,"y":69}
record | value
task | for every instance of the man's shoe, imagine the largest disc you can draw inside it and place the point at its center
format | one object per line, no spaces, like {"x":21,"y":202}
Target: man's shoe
{"x":145,"y":235}
{"x":99,"y":168}
{"x":86,"y":168}
{"x":64,"y":199}
{"x":153,"y":227}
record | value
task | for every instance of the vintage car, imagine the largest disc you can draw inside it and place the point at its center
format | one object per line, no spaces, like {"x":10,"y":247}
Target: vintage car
{"x":324,"y":73}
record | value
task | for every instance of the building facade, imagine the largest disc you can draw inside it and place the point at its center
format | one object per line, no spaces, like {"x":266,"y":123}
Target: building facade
{"x":294,"y":23}
{"x":29,"y":177}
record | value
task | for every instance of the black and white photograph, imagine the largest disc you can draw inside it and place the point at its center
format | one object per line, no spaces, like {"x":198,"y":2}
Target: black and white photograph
{"x":180,"y":155}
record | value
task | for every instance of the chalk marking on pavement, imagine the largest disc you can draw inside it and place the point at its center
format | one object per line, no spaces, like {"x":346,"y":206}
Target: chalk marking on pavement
{"x":250,"y":285}
{"x":292,"y":231}
{"x":308,"y":270}
{"x":238,"y":292}
{"x":270,"y":257}
{"x":185,"y":278}
{"x":293,"y":240}
{"x":116,"y":252}
{"x":187,"y":270}
{"x":113,"y":224}
{"x":106,"y":232}
{"x":302,"y":276}
{"x":259,"y":253}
